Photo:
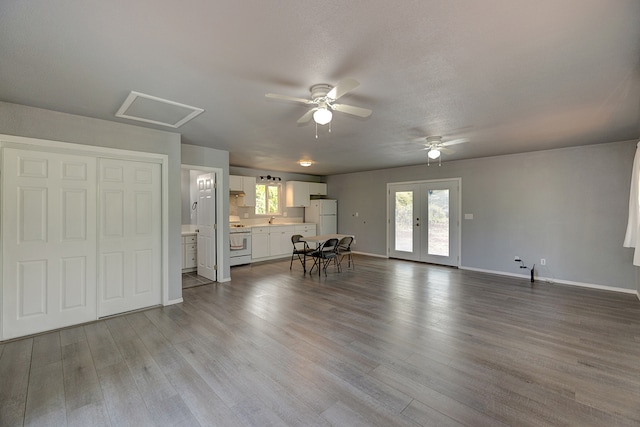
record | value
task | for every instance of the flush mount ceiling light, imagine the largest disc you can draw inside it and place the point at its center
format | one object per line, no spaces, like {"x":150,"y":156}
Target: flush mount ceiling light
{"x":305,"y":163}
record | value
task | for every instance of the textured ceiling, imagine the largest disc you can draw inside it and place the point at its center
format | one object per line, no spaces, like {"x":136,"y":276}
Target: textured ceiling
{"x":511,"y":76}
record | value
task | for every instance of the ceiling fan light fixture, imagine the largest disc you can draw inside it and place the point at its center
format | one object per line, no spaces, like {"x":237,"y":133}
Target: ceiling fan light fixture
{"x":322,"y":116}
{"x":434,"y":153}
{"x":305,"y":163}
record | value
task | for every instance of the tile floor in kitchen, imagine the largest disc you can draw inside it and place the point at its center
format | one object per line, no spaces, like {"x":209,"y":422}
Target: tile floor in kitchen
{"x":190,"y":280}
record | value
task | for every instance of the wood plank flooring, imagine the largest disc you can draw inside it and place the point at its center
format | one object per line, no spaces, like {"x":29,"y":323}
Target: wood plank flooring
{"x":391,"y":343}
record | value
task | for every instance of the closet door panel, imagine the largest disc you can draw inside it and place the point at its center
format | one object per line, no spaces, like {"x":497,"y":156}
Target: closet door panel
{"x":130,"y":224}
{"x":73,"y":281}
{"x":49,"y":241}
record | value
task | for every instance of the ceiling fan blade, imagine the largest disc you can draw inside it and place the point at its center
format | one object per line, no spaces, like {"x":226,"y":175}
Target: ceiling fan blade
{"x":342,"y":88}
{"x":446,"y":150}
{"x":288,"y":98}
{"x":455,"y":141}
{"x":307,"y":116}
{"x":350,"y":109}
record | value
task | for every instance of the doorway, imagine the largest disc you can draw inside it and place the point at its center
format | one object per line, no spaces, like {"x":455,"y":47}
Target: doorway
{"x":201,"y":214}
{"x":424,"y":221}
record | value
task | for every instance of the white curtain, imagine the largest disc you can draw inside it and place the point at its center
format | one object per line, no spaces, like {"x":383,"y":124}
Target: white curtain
{"x":632,"y":238}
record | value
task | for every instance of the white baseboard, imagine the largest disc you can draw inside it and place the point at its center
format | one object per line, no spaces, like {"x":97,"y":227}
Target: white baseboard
{"x":174,"y":301}
{"x":368,"y":254}
{"x":224,"y":279}
{"x":558,"y":281}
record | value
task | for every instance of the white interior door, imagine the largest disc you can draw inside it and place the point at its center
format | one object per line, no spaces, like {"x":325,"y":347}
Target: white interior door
{"x":425,"y":222}
{"x":130,"y":236}
{"x":49,"y":241}
{"x":207,"y":225}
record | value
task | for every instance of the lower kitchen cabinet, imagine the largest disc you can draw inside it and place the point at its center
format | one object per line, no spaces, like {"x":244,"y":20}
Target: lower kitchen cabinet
{"x":305,"y":230}
{"x":280,"y":241}
{"x":259,"y":243}
{"x":271,"y":242}
{"x":189,"y":253}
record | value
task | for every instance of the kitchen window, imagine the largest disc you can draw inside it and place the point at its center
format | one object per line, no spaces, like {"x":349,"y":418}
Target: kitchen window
{"x":268,"y":199}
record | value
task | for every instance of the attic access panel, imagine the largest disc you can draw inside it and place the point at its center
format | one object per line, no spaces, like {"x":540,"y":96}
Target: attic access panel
{"x":151,"y":109}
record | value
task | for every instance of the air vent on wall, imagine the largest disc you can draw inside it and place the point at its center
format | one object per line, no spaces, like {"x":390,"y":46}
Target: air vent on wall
{"x":151,"y":109}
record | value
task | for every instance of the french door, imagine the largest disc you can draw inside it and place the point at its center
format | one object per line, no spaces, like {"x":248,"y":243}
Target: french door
{"x":424,"y":221}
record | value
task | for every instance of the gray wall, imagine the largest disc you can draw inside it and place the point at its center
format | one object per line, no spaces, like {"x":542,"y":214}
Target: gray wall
{"x":209,"y":157}
{"x":569,"y":206}
{"x":185,"y":189}
{"x":32,"y":122}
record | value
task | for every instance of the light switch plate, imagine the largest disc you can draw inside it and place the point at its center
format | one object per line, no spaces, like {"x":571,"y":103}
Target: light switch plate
{"x":468,"y":216}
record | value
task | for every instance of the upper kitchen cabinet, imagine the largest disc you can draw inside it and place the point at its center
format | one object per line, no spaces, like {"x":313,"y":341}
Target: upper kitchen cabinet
{"x":235,"y":183}
{"x":246,"y":187}
{"x":299,"y":193}
{"x":317,"y":189}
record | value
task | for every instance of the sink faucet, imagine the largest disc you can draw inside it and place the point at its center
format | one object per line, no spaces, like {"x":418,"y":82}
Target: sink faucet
{"x":271,"y":219}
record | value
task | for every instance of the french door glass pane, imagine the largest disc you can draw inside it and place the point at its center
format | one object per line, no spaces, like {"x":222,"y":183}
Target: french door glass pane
{"x":404,"y":221}
{"x":438,"y":202}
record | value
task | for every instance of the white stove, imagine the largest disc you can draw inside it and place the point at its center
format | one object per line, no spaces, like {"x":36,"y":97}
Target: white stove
{"x":239,"y":244}
{"x":239,"y":228}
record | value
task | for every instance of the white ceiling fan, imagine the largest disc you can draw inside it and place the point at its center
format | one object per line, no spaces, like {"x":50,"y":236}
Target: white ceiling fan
{"x":436,"y":147}
{"x":323,"y":97}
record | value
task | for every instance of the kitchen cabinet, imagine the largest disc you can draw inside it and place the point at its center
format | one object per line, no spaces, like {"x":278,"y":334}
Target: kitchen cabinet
{"x":305,"y":230}
{"x":246,"y":185}
{"x":189,"y":252}
{"x":235,"y":183}
{"x":271,"y":241}
{"x":317,"y":189}
{"x":297,"y":194}
{"x":259,"y":242}
{"x":280,"y":241}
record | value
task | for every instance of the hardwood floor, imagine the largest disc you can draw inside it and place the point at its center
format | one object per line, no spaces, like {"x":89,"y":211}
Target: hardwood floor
{"x":391,"y":343}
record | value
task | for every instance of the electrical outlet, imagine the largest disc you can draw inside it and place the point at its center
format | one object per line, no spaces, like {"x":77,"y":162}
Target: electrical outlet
{"x":543,"y":261}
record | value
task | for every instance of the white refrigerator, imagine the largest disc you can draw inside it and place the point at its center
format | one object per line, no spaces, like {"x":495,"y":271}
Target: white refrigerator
{"x":324,"y":213}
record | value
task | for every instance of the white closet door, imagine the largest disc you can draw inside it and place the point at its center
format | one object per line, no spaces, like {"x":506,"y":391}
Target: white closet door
{"x":129,"y":242}
{"x":49,"y":241}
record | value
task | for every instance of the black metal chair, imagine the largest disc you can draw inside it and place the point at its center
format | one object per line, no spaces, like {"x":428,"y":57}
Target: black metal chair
{"x":326,"y":253}
{"x":344,"y":250}
{"x":300,"y":249}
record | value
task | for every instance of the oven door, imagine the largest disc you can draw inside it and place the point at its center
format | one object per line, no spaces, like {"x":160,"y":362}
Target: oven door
{"x":240,"y":244}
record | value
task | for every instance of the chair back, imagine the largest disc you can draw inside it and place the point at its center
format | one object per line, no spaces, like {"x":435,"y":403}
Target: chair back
{"x":295,"y":240}
{"x":345,"y":244}
{"x":330,"y":245}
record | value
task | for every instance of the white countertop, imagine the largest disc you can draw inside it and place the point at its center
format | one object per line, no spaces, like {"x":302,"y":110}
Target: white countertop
{"x":189,"y":229}
{"x":281,"y":224}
